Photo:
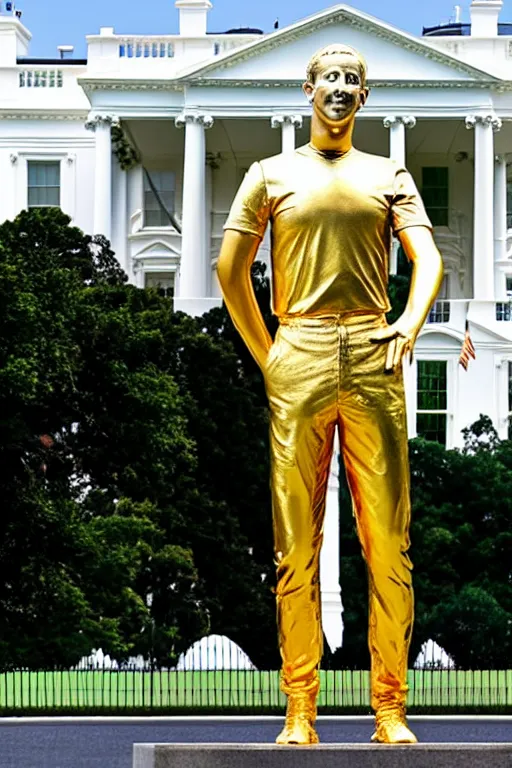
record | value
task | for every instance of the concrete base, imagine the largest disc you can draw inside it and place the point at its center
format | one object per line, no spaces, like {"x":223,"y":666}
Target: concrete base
{"x":322,"y":756}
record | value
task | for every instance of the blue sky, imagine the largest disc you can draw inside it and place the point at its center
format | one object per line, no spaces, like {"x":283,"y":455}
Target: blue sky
{"x":67,"y":22}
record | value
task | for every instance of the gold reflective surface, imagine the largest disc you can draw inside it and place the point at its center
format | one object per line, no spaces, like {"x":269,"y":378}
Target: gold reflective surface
{"x":331,"y":226}
{"x":325,"y":373}
{"x":335,"y":364}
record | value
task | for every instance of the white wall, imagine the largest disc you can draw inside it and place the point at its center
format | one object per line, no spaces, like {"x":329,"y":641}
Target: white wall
{"x":66,"y":141}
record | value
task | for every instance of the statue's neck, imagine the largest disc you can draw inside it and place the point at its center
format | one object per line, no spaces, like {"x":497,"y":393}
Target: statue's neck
{"x":331,"y":138}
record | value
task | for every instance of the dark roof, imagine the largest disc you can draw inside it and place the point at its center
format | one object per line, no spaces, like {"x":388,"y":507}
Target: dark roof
{"x":244,"y":31}
{"x":62,"y":62}
{"x":239,"y":31}
{"x":457,"y":29}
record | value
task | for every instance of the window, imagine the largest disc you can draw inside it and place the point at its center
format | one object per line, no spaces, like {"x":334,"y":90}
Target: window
{"x":503,"y":312}
{"x":435,"y":195}
{"x":164,"y":182}
{"x":432,"y":403}
{"x":440,"y":312}
{"x":43,"y":183}
{"x":509,"y":287}
{"x":509,"y":204}
{"x":163,"y":282}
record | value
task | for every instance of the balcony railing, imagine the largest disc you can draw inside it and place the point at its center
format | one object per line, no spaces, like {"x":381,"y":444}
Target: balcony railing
{"x":41,"y":78}
{"x":116,"y":54}
{"x":149,"y":48}
{"x":440,"y":312}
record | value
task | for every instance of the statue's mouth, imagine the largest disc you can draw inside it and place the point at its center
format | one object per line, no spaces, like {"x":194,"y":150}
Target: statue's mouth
{"x":344,"y":100}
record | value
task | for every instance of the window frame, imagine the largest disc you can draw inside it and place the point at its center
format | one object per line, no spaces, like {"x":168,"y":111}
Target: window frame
{"x":58,"y":165}
{"x":145,"y":210}
{"x":432,"y":411}
{"x":503,"y":395}
{"x":425,"y":189}
{"x":149,"y":272}
{"x":452,"y":384}
{"x":68,"y":179}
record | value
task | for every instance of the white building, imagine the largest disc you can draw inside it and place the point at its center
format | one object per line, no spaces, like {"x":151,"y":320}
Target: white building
{"x":201,"y":107}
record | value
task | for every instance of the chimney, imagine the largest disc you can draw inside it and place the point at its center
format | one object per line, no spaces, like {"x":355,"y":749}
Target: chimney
{"x":14,"y":40}
{"x":66,"y":51}
{"x":193,"y":17}
{"x":484,"y":17}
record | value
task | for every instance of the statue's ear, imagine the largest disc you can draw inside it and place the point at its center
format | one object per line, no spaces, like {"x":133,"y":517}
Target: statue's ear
{"x":365,"y":92}
{"x":309,"y":90}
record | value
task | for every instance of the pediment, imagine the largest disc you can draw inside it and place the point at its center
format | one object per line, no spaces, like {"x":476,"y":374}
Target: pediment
{"x":392,"y":55}
{"x":157,"y":249}
{"x":448,"y":340}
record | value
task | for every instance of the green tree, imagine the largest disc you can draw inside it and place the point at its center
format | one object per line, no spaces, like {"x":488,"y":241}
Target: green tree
{"x":136,"y":446}
{"x":91,"y":430}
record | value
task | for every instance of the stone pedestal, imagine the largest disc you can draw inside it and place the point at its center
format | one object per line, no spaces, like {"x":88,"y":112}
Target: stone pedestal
{"x":322,"y":756}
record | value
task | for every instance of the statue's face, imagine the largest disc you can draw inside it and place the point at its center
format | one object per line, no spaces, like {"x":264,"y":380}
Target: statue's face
{"x":338,"y":92}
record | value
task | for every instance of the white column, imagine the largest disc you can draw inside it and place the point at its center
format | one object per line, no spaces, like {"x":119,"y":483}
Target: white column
{"x":120,"y":217}
{"x":483,"y":207}
{"x":102,"y":125}
{"x":193,"y":266}
{"x":398,"y":152}
{"x":288,"y":124}
{"x":500,"y":224}
{"x":208,"y":198}
{"x":330,"y":590}
{"x":397,"y":125}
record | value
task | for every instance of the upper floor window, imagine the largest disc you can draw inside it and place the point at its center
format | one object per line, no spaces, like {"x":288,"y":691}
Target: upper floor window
{"x":43,"y":183}
{"x":435,"y":194}
{"x":159,"y":197}
{"x":163,"y":282}
{"x":432,"y":400}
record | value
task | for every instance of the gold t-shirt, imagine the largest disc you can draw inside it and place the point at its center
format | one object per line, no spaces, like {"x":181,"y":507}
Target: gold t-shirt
{"x":331,"y":218}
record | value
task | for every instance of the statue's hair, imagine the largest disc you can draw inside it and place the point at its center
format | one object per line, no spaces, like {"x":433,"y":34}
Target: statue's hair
{"x":315,"y":63}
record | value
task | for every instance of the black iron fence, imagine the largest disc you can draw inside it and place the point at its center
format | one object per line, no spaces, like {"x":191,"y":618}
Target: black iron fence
{"x":132,"y":690}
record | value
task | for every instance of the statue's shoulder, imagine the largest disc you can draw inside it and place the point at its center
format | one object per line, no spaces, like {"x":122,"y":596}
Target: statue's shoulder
{"x":377,"y":161}
{"x":282,"y":160}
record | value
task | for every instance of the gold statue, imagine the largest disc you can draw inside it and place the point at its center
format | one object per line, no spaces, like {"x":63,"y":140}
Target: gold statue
{"x":335,"y":363}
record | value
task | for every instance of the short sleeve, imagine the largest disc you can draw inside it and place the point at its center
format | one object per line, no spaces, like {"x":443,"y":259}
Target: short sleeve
{"x":407,"y":209}
{"x":250,"y":210}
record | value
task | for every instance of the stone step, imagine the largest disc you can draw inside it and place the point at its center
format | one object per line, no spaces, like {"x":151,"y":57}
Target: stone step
{"x":322,"y":756}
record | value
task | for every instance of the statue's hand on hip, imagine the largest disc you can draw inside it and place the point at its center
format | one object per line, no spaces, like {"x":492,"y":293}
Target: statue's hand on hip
{"x":400,"y":338}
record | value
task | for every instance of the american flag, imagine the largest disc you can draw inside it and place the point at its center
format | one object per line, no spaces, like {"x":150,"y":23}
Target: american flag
{"x":467,"y":350}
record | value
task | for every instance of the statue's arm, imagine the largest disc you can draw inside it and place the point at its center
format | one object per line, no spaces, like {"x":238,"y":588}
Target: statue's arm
{"x":427,"y":275}
{"x":236,"y":257}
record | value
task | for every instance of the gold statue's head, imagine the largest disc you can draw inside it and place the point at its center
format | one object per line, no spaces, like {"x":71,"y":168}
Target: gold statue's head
{"x":336,"y":82}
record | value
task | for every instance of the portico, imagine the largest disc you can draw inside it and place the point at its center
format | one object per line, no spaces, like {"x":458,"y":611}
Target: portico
{"x":208,"y":154}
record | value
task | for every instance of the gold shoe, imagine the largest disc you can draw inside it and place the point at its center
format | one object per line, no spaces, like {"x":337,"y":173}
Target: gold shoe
{"x":392,"y":728}
{"x":299,"y":726}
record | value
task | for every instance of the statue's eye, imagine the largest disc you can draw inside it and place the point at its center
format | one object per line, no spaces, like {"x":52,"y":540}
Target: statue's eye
{"x":332,"y":77}
{"x":352,"y":79}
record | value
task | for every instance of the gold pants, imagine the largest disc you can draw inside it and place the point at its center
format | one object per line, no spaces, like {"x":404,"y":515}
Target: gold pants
{"x":323,"y":373}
